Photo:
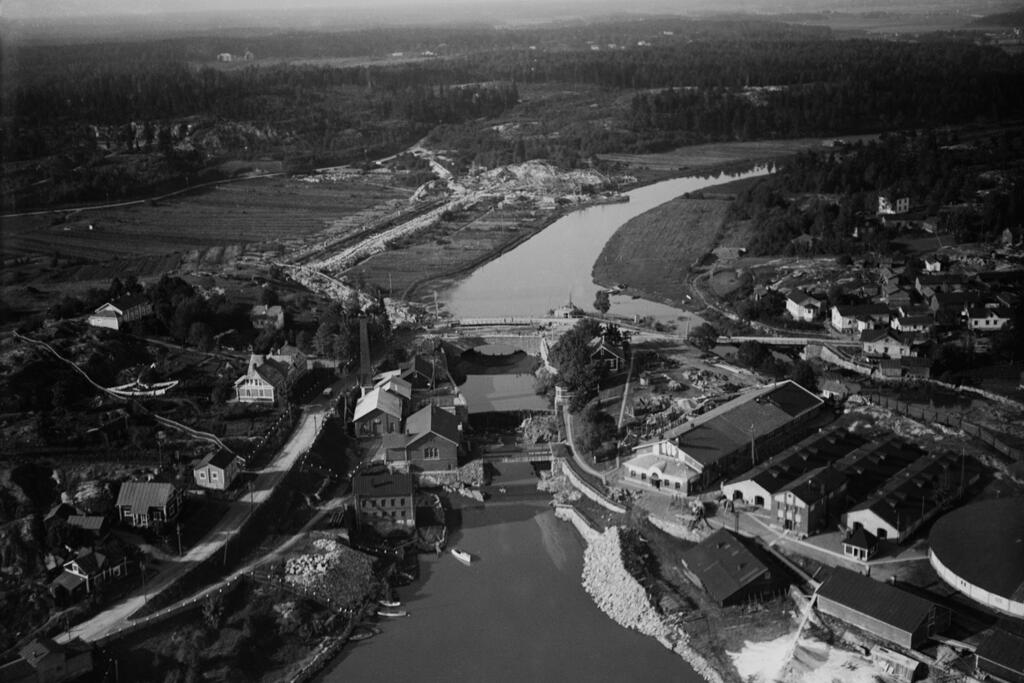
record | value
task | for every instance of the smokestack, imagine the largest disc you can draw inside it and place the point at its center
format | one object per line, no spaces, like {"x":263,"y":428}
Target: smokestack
{"x":364,"y":354}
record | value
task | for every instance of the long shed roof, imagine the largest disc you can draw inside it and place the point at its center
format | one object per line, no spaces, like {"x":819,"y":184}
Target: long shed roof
{"x":880,"y":601}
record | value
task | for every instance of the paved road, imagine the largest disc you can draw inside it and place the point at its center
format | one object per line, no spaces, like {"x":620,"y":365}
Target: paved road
{"x":268,"y":478}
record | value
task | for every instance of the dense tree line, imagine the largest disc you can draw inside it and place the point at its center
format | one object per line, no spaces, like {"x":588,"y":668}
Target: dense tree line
{"x":818,"y":200}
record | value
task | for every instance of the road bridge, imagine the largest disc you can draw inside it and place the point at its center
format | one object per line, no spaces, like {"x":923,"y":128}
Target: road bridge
{"x":789,"y":341}
{"x":544,"y":452}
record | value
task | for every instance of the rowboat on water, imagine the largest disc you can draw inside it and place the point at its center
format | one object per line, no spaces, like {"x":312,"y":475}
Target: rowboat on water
{"x":462,"y":556}
{"x":392,"y":613}
{"x":390,"y":603}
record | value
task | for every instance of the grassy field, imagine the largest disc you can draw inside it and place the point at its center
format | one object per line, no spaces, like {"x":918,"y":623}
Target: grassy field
{"x":654,"y":252}
{"x":722,"y":154}
{"x":415,"y":269}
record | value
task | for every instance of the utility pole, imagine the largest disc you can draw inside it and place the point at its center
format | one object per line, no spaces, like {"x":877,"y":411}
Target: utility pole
{"x":178,"y":527}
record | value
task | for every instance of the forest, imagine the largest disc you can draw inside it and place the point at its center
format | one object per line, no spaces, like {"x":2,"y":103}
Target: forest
{"x":813,"y":205}
{"x":72,"y":108}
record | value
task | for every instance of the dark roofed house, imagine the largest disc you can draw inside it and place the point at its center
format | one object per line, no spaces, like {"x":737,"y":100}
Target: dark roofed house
{"x":87,"y":571}
{"x":882,"y":610}
{"x":265,"y":317}
{"x":1001,"y":655}
{"x":431,"y":441}
{"x":45,"y":661}
{"x":264,"y":382}
{"x":94,"y":524}
{"x":731,"y":571}
{"x":384,"y":498}
{"x":421,"y":373}
{"x":217,"y":471}
{"x":114,"y":314}
{"x":860,"y":545}
{"x":148,"y":503}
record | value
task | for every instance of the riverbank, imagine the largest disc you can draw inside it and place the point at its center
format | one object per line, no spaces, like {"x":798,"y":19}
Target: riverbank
{"x":619,"y":595}
{"x":653,"y":254}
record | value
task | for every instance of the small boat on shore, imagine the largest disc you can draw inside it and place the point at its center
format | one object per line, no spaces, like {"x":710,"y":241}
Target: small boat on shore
{"x":392,"y":613}
{"x":390,"y":603}
{"x":462,"y":556}
{"x":361,"y":634}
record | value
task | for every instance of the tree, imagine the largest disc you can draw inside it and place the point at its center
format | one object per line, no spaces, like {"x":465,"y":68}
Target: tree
{"x":601,"y":302}
{"x":269,"y":297}
{"x":803,"y":374}
{"x":199,"y":336}
{"x":752,"y":353}
{"x":704,"y":337}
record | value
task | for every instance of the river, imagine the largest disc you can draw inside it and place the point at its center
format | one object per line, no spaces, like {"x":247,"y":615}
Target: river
{"x":543,"y":272}
{"x":519,"y":613}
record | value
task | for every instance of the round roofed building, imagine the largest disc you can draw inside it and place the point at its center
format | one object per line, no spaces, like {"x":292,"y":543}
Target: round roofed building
{"x":979,"y":550}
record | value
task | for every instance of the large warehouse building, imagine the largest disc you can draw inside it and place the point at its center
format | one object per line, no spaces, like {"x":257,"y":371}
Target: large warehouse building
{"x":979,"y":551}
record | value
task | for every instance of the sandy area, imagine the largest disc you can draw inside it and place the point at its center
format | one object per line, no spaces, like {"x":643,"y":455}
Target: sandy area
{"x":811,"y":661}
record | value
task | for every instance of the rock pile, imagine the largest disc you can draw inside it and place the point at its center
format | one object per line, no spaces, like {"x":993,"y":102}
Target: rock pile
{"x":622,"y":598}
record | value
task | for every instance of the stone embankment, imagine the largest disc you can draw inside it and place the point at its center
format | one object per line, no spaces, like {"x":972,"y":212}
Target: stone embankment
{"x":622,"y":598}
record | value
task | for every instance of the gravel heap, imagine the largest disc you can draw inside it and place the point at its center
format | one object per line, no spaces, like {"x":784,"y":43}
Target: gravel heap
{"x":622,"y":598}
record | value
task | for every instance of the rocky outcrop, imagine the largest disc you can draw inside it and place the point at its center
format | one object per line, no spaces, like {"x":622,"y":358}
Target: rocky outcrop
{"x":622,"y":598}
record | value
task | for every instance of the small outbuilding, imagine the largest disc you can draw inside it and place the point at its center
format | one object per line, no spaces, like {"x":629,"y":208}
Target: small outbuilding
{"x":217,"y":471}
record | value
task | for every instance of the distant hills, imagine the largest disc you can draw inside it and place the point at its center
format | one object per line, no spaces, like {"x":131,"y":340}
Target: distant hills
{"x":1011,"y":18}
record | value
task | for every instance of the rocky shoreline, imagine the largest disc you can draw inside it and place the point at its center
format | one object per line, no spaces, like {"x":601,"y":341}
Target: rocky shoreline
{"x":622,"y":598}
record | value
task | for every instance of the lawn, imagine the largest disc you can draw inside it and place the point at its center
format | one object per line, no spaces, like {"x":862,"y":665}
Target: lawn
{"x":655,"y":251}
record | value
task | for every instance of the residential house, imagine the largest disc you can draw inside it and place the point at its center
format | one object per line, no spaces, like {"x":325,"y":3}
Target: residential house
{"x":46,"y":661}
{"x":731,"y":570}
{"x":148,"y":503}
{"x":605,"y":353}
{"x":888,"y":206}
{"x":663,"y":466}
{"x":933,"y":264}
{"x":115,"y":314}
{"x":882,"y":610}
{"x":267,"y":317}
{"x":430,"y":442}
{"x":896,"y":296}
{"x":217,"y":470}
{"x":985,"y":319}
{"x":87,"y":571}
{"x":803,"y":306}
{"x":384,"y":498}
{"x":1001,"y":656}
{"x":94,"y":524}
{"x":860,"y":545}
{"x":265,"y":381}
{"x":849,"y":319}
{"x":378,"y":412}
{"x":912,"y":324}
{"x":885,"y":343}
{"x":806,"y":504}
{"x":940,"y":282}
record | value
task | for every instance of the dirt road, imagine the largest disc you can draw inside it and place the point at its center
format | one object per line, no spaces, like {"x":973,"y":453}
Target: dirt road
{"x":269,"y":477}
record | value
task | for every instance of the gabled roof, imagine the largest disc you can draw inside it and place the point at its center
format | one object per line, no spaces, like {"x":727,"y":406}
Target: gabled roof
{"x":723,"y":564}
{"x":273,"y":372}
{"x":880,"y":601}
{"x":397,"y":386}
{"x":417,"y":365}
{"x":264,"y":311}
{"x":378,"y":399}
{"x":433,"y":420}
{"x":219,"y":458}
{"x":143,"y":495}
{"x":862,"y":309}
{"x":802,"y":298}
{"x":812,"y":486}
{"x":881,"y":333}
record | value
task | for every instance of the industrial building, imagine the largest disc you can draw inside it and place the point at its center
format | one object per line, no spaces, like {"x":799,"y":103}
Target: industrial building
{"x":732,"y":571}
{"x":882,"y":610}
{"x":732,"y":436}
{"x":912,"y":496}
{"x":1001,"y":656}
{"x":758,"y":485}
{"x":979,"y":551}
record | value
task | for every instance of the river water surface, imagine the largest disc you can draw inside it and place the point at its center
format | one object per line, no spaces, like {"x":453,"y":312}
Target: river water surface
{"x":543,"y":272}
{"x":519,"y":613}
